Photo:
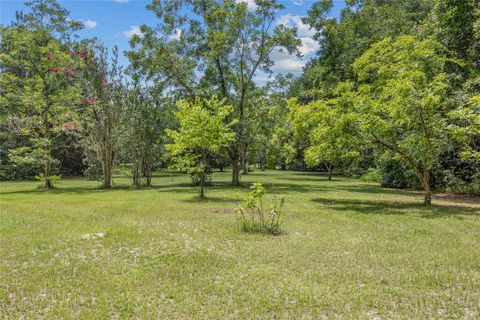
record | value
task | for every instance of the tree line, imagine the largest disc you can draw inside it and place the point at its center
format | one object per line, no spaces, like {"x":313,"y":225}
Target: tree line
{"x":393,"y":94}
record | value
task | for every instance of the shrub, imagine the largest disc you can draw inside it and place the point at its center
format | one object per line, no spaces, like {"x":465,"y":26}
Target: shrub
{"x":256,"y":217}
{"x":372,"y":175}
{"x":457,"y":185}
{"x":54,"y":179}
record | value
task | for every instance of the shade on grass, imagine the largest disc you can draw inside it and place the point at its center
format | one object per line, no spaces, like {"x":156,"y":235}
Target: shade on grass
{"x":351,"y":249}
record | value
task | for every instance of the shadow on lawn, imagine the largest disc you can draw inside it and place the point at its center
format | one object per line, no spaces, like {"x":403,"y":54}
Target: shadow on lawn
{"x":398,"y":207}
{"x":83,"y":190}
{"x":210,"y":199}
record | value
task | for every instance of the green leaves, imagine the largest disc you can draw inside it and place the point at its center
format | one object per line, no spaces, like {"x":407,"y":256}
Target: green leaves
{"x":331,"y":128}
{"x":203,"y":130}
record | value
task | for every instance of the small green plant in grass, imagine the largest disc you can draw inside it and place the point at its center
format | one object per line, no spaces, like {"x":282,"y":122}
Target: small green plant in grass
{"x":256,"y":217}
{"x":54,"y":179}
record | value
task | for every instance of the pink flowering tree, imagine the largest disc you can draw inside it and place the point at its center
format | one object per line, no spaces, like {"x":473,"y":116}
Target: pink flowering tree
{"x":100,"y":107}
{"x":39,"y":84}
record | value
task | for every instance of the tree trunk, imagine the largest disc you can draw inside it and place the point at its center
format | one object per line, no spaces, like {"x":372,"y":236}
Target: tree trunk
{"x":427,"y":187}
{"x":136,"y":173}
{"x":108,"y":160}
{"x":148,"y":175}
{"x":221,"y":166}
{"x":262,"y":161}
{"x":244,"y":161}
{"x":202,"y":183}
{"x":107,"y":173}
{"x":235,"y":170}
{"x":47,"y":184}
{"x":329,"y":168}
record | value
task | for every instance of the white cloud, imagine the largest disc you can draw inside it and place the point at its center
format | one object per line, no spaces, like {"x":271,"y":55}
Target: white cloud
{"x":309,"y":46}
{"x":284,"y":62}
{"x":89,"y":24}
{"x":261,"y":80}
{"x":298,"y":3}
{"x":176,"y":34}
{"x":134,"y":30}
{"x":121,"y":1}
{"x":292,"y":65}
{"x":292,"y":21}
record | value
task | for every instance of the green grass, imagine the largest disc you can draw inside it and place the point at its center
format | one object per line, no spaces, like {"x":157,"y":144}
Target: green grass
{"x":350,"y":250}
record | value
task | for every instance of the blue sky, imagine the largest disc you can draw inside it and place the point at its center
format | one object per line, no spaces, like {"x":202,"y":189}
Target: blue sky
{"x":115,"y":21}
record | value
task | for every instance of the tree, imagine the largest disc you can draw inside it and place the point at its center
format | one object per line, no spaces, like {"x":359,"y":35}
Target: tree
{"x":331,"y":128}
{"x":360,"y":24}
{"x":99,"y":112}
{"x":400,"y":101}
{"x":39,"y":84}
{"x":218,"y":49}
{"x":145,"y":116}
{"x":203,"y":131}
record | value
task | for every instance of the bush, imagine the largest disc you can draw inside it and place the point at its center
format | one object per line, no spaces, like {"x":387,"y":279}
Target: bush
{"x":256,"y":218}
{"x":396,"y":174}
{"x":54,"y":179}
{"x":372,"y":175}
{"x":457,"y":185}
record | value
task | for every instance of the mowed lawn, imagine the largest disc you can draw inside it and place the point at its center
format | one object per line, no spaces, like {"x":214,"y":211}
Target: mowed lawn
{"x":350,"y":250}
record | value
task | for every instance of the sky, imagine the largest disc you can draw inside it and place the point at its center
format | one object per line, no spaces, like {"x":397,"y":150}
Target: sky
{"x":116,"y":21}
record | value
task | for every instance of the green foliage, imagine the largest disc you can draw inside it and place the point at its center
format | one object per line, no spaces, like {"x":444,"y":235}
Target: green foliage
{"x":360,"y":25}
{"x":331,"y":129}
{"x":145,"y":116}
{"x":257,"y":217}
{"x":54,"y":179}
{"x":38,"y":83}
{"x":453,"y":184}
{"x":467,"y":127}
{"x":99,"y":112}
{"x":218,"y":50}
{"x":400,"y":101}
{"x":372,"y":175}
{"x":203,"y":131}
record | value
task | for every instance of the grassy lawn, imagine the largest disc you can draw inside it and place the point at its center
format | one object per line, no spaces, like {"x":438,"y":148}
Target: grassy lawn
{"x":350,"y":250}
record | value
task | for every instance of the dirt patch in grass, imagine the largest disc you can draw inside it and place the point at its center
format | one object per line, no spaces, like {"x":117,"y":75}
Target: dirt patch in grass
{"x":222,"y":211}
{"x":467,"y":200}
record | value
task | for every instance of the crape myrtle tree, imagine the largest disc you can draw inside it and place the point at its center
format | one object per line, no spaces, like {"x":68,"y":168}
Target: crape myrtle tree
{"x":99,"y":112}
{"x":400,"y":101}
{"x":214,"y":47}
{"x":203,"y":131}
{"x":38,"y":80}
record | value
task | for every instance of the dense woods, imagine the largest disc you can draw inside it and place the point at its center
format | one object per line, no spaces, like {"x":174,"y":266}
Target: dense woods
{"x":393,"y":94}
